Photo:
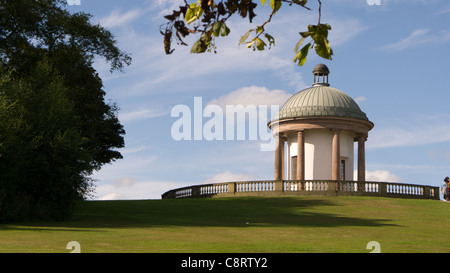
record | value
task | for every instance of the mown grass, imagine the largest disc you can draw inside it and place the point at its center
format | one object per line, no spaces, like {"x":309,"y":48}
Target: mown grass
{"x":282,"y":224}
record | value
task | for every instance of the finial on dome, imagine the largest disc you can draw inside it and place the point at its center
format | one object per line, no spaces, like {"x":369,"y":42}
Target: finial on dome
{"x":321,"y":70}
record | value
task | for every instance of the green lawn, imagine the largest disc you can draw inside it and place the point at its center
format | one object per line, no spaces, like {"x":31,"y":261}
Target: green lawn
{"x":284,"y":224}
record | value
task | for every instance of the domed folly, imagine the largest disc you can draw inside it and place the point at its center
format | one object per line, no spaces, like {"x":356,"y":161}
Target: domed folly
{"x":319,"y":126}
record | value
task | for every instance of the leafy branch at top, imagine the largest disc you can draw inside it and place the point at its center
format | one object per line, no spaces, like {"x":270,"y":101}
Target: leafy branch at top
{"x":208,"y":19}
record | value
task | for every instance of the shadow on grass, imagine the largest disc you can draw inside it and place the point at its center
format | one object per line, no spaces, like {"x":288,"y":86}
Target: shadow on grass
{"x":224,"y":212}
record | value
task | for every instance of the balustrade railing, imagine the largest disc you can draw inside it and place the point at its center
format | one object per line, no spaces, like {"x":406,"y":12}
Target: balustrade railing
{"x":306,"y":187}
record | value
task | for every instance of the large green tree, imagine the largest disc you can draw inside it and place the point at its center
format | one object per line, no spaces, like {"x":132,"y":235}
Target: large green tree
{"x":55,"y":126}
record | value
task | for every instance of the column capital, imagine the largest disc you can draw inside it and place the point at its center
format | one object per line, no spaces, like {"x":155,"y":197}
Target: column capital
{"x":361,"y":137}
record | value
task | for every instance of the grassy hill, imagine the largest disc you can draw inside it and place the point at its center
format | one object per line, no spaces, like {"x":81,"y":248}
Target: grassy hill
{"x":287,"y":224}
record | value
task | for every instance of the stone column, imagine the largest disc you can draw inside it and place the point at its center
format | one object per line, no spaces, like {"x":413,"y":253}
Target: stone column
{"x":300,"y":155}
{"x":283,"y":156}
{"x":278,"y":158}
{"x":361,"y":158}
{"x":336,"y":156}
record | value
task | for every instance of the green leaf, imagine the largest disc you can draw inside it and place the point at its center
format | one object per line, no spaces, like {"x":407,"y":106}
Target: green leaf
{"x":302,"y":54}
{"x":263,"y":2}
{"x":250,"y":43}
{"x":245,"y":36}
{"x":201,"y":45}
{"x":305,"y":34}
{"x":193,"y":13}
{"x":275,"y":5}
{"x":299,"y":44}
{"x":270,"y":39}
{"x":319,"y":34}
{"x":216,"y":28}
{"x":221,"y":29}
{"x":323,"y":49}
{"x":224,"y":30}
{"x":260,"y":44}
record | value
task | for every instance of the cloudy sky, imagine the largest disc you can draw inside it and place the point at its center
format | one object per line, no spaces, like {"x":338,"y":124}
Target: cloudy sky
{"x":391,"y":58}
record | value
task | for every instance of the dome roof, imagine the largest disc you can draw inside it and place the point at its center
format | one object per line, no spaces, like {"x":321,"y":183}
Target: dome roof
{"x":321,"y":69}
{"x":320,"y":100}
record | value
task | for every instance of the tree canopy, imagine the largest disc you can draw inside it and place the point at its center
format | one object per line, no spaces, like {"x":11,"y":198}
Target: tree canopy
{"x":55,"y":126}
{"x":208,"y":18}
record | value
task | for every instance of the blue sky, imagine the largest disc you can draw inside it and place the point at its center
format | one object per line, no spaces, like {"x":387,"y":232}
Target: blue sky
{"x":391,"y":58}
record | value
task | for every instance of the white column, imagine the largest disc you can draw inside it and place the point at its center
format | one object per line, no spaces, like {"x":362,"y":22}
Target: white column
{"x":300,"y":155}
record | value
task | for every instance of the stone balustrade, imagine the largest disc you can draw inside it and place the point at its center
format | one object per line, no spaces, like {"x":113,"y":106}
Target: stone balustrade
{"x":305,"y":187}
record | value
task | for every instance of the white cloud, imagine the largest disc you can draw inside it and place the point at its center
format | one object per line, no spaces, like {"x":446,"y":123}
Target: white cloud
{"x":424,"y":130}
{"x":126,"y":151}
{"x":118,"y":19}
{"x":252,"y":95}
{"x":142,"y":114}
{"x":111,"y":196}
{"x":133,"y":164}
{"x":135,"y":190}
{"x":229,"y":177}
{"x":417,"y":38}
{"x":360,"y":99}
{"x":444,"y":11}
{"x":381,"y":176}
{"x":344,"y":30}
{"x":123,"y":182}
